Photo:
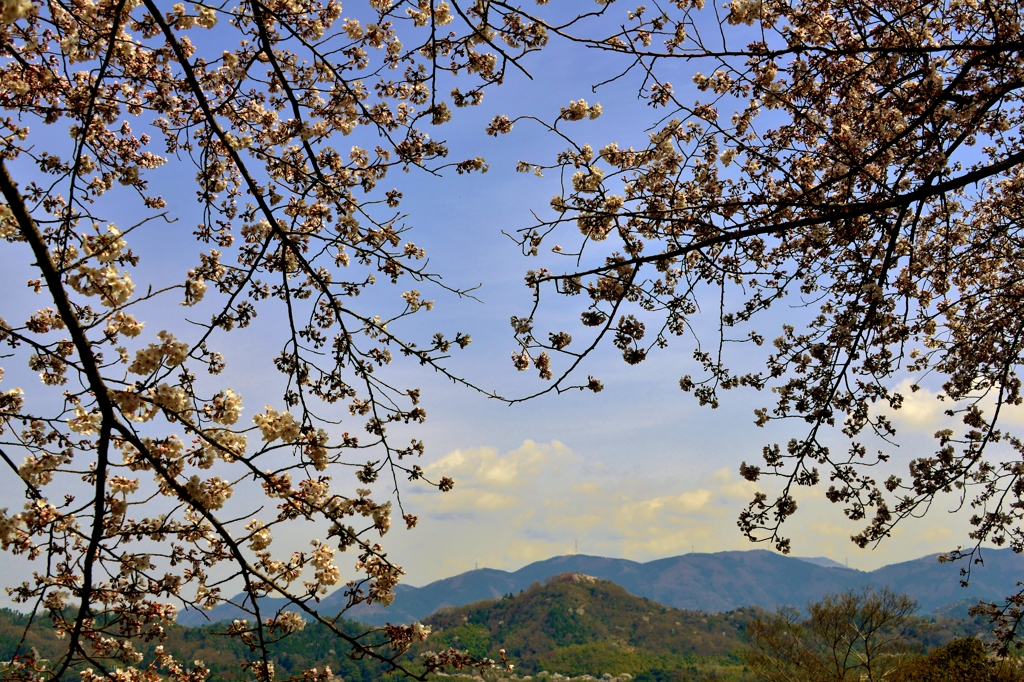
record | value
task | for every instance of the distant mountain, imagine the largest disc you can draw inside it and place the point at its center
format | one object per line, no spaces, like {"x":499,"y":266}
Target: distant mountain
{"x":935,"y":585}
{"x":707,"y":582}
{"x":821,"y":561}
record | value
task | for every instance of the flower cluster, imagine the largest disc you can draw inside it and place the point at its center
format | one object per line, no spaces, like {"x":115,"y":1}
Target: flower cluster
{"x":207,"y":16}
{"x":316,"y":449}
{"x":105,"y":247}
{"x":419,"y":631}
{"x":173,"y":399}
{"x":169,"y":449}
{"x":85,"y":423}
{"x":384,"y":578}
{"x":220,"y":444}
{"x":225,"y":408}
{"x":8,"y":224}
{"x":327,"y":573}
{"x":274,"y":425}
{"x":402,"y":636}
{"x":589,"y":181}
{"x":44,"y":320}
{"x":287,"y":622}
{"x":38,"y":469}
{"x":170,"y":352}
{"x":412,"y":298}
{"x":123,"y":485}
{"x":123,"y":323}
{"x":259,"y":538}
{"x":596,"y":226}
{"x":745,"y":11}
{"x":11,"y":11}
{"x":422,"y":15}
{"x":112,"y":288}
{"x":211,"y":493}
{"x":11,"y":402}
{"x":195,"y":288}
{"x":130,"y":402}
{"x":579,"y":110}
{"x":382,"y":518}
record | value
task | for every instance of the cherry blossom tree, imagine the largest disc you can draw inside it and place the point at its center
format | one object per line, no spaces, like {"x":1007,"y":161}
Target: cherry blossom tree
{"x":129,"y":446}
{"x":858,"y":165}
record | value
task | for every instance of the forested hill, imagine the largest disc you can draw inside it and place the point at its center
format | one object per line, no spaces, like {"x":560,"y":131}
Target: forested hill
{"x":577,"y":624}
{"x":708,"y":582}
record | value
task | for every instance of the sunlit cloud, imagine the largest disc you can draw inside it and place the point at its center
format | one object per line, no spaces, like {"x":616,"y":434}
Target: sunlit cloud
{"x":921,"y":409}
{"x":924,"y":410}
{"x":485,"y":467}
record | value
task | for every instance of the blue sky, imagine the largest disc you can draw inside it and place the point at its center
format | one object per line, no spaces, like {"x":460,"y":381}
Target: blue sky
{"x":637,"y":471}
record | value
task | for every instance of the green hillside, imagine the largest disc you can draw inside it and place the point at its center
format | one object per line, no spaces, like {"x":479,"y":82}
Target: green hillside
{"x":576,"y":625}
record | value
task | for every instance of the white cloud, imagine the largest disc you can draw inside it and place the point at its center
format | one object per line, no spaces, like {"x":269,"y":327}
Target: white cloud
{"x":485,"y":467}
{"x":488,"y":481}
{"x":923,"y":410}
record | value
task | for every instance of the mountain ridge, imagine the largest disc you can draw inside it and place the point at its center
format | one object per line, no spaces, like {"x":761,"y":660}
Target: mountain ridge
{"x":714,"y":583}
